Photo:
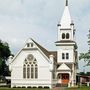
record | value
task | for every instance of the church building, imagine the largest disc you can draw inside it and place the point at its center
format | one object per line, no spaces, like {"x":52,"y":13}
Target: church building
{"x":35,"y":66}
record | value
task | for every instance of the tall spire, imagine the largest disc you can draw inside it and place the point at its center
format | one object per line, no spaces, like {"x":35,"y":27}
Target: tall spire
{"x":66,"y":2}
{"x":66,"y":18}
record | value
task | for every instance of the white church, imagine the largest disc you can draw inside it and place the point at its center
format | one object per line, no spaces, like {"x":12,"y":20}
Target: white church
{"x":35,"y":66}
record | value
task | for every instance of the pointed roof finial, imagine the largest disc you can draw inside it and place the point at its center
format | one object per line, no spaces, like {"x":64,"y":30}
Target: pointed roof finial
{"x":66,"y":2}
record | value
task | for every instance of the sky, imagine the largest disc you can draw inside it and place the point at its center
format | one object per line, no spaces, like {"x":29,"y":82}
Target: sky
{"x":38,"y":19}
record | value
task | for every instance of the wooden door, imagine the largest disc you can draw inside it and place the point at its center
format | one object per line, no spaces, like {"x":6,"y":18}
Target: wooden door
{"x":65,"y":78}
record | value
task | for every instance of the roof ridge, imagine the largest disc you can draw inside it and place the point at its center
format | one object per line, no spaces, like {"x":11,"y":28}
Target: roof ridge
{"x":44,"y":50}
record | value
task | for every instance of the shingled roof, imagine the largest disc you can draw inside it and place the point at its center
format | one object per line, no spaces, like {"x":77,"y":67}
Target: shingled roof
{"x":46,"y":52}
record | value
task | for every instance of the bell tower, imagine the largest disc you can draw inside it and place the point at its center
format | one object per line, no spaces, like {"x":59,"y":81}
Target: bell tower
{"x":66,"y":45}
{"x":66,"y":33}
{"x":66,"y":29}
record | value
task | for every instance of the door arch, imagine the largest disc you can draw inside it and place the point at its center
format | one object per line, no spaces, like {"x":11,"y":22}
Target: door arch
{"x":63,"y":78}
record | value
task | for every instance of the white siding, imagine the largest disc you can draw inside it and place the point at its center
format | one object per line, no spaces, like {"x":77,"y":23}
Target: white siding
{"x":44,"y":75}
{"x":66,"y":49}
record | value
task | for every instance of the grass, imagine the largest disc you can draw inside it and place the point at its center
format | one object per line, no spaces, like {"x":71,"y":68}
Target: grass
{"x":22,"y":89}
{"x":81,"y":88}
{"x":3,"y":88}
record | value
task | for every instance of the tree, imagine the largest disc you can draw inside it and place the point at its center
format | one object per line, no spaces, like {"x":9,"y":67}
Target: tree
{"x":4,"y":54}
{"x":84,"y":74}
{"x":86,"y":56}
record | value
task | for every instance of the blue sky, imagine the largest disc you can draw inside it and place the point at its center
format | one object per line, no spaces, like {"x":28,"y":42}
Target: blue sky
{"x":38,"y":19}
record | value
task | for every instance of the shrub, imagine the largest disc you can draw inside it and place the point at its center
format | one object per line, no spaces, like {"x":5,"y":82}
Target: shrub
{"x":4,"y":85}
{"x":23,"y":87}
{"x":29,"y":87}
{"x":14,"y":87}
{"x":34,"y":87}
{"x":40,"y":87}
{"x":46,"y":87}
{"x":19,"y":87}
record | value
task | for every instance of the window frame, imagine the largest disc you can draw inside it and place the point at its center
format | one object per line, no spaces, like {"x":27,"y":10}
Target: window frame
{"x":24,"y":71}
{"x":63,"y":56}
{"x":67,"y":55}
{"x":30,"y":69}
{"x":67,"y":36}
{"x":63,"y":35}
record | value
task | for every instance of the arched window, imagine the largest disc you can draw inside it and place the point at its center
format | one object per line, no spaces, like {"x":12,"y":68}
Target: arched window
{"x":36,"y":71}
{"x":67,"y":55}
{"x":28,"y":44}
{"x":63,"y":56}
{"x":30,"y":67}
{"x":28,"y":71}
{"x":67,"y":35}
{"x":24,"y":71}
{"x":32,"y":71}
{"x":63,"y":35}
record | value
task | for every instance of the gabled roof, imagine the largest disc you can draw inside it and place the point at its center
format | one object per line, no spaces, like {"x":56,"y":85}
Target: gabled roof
{"x":45,"y":51}
{"x":63,"y":67}
{"x":68,"y":64}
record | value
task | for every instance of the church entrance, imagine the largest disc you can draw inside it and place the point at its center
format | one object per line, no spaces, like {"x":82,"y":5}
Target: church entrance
{"x":63,"y":78}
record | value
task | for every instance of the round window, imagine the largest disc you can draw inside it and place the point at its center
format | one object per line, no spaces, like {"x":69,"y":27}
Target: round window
{"x":30,"y":57}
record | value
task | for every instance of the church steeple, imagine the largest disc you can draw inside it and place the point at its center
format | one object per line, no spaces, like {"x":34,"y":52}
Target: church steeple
{"x":66,"y":27}
{"x":66,"y":46}
{"x":66,"y":18}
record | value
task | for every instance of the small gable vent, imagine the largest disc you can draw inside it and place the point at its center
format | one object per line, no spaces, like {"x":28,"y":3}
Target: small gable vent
{"x":29,"y":44}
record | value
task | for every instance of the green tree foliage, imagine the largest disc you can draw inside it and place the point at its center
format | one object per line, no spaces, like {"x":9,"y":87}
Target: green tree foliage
{"x":84,"y":74}
{"x":4,"y":54}
{"x":86,"y":56}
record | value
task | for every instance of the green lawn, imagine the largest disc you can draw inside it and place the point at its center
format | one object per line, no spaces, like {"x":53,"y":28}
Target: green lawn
{"x":82,"y":88}
{"x":22,"y":89}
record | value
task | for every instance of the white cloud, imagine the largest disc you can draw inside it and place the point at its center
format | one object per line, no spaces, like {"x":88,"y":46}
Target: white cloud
{"x":34,"y":17}
{"x":21,"y":19}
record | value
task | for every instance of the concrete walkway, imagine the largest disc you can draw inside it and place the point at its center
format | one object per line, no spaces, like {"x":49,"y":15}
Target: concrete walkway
{"x":59,"y":88}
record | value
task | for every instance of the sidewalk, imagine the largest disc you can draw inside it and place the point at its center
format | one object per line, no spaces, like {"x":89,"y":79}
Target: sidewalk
{"x":59,"y":88}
